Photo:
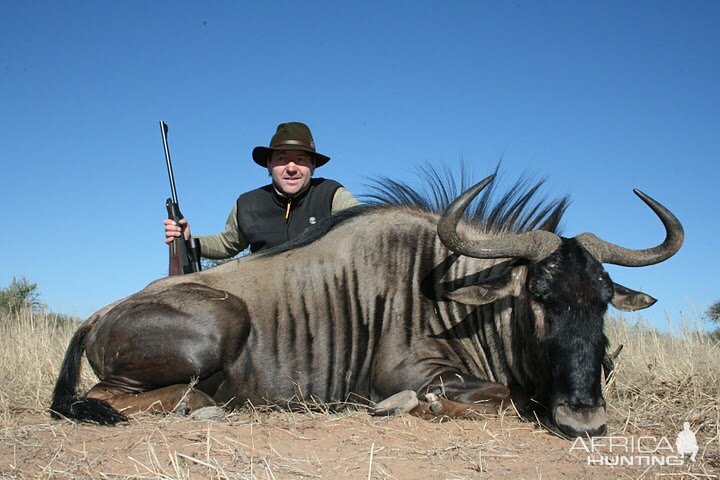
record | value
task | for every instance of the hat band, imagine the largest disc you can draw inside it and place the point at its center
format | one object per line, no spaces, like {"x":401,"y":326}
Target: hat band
{"x":293,"y":142}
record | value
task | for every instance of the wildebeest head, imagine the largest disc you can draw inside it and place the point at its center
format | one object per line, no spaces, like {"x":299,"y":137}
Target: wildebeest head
{"x":569,"y":293}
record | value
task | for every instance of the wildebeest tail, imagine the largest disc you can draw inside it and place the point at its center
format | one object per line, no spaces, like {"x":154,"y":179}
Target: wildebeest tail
{"x":66,"y":402}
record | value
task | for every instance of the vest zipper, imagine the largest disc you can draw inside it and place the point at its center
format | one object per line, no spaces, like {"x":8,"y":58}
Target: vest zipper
{"x":287,"y":223}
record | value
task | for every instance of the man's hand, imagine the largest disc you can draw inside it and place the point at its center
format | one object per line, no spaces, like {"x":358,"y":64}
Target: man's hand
{"x":172,"y":230}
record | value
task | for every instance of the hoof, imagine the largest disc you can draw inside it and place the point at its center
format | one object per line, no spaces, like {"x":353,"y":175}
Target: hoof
{"x":212,"y":414}
{"x":402,"y":402}
{"x":182,"y":408}
{"x":435,"y":407}
{"x":434,"y":404}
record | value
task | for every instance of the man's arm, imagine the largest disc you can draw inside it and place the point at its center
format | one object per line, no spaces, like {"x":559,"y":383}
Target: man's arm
{"x":225,"y":244}
{"x":342,"y":200}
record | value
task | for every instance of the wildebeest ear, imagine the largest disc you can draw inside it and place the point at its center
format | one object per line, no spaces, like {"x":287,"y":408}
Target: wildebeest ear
{"x":629,"y":300}
{"x":472,"y":295}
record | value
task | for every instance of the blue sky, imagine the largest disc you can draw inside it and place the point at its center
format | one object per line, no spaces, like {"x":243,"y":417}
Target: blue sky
{"x":598,"y":97}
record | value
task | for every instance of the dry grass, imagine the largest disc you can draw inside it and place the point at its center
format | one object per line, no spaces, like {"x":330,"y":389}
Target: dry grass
{"x":32,"y":346}
{"x":660,"y":382}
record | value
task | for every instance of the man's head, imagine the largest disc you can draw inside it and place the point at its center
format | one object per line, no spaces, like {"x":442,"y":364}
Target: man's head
{"x":291,"y":157}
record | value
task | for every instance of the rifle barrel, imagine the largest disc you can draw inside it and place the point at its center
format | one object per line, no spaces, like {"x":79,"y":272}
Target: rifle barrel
{"x":163,"y":132}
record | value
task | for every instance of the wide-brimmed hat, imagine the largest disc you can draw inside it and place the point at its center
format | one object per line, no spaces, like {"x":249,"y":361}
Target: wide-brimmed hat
{"x":289,"y":136}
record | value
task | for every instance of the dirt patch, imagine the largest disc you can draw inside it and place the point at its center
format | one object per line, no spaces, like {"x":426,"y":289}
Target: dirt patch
{"x":278,"y":445}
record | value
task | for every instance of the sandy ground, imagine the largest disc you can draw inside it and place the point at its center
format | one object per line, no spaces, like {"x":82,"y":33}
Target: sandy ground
{"x":277,"y":445}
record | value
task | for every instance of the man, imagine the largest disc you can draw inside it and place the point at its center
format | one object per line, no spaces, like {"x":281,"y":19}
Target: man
{"x":273,"y":214}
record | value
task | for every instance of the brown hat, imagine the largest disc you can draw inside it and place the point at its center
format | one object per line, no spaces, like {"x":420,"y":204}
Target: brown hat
{"x":289,"y":136}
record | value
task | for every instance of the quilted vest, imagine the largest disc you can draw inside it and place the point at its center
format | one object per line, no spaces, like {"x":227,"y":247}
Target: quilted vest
{"x":261,"y":212}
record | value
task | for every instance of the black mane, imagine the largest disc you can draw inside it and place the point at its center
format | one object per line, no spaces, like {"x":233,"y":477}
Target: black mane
{"x":516,"y":210}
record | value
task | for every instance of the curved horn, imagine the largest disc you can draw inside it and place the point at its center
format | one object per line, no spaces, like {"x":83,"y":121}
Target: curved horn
{"x":535,"y":245}
{"x":606,"y":252}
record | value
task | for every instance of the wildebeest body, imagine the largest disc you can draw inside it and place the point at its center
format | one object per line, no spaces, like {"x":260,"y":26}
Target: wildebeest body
{"x":317,"y":322}
{"x":378,"y":304}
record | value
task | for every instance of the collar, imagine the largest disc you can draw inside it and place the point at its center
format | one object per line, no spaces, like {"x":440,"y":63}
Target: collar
{"x":282,"y":198}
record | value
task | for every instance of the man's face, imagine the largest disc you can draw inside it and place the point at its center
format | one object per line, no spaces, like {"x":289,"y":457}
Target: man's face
{"x":291,"y":170}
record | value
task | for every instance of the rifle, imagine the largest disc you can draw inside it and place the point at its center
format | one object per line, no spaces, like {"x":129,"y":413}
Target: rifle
{"x":184,"y":255}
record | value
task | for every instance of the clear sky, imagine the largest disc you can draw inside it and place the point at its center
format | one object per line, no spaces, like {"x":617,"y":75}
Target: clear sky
{"x":599,"y":97}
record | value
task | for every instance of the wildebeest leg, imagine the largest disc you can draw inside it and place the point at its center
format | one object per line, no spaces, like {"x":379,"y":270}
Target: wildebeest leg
{"x":448,"y":394}
{"x":436,"y":407}
{"x":181,"y":398}
{"x":460,"y":396}
{"x":467,"y":389}
{"x":147,"y":349}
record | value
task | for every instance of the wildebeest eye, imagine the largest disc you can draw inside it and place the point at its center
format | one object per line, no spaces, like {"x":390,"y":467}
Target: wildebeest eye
{"x":537,"y":294}
{"x":539,"y":286}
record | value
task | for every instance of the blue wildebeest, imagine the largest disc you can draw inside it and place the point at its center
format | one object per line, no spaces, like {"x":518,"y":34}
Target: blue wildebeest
{"x":381,"y":300}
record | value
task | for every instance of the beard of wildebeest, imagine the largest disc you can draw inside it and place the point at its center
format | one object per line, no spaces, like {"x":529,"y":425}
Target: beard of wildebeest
{"x":573,"y":291}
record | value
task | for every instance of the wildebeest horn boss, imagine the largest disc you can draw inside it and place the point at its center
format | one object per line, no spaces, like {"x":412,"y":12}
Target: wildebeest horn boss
{"x":466,"y":310}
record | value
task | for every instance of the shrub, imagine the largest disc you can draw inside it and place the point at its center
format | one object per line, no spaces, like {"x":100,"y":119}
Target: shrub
{"x":713,"y":314}
{"x":20,"y":295}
